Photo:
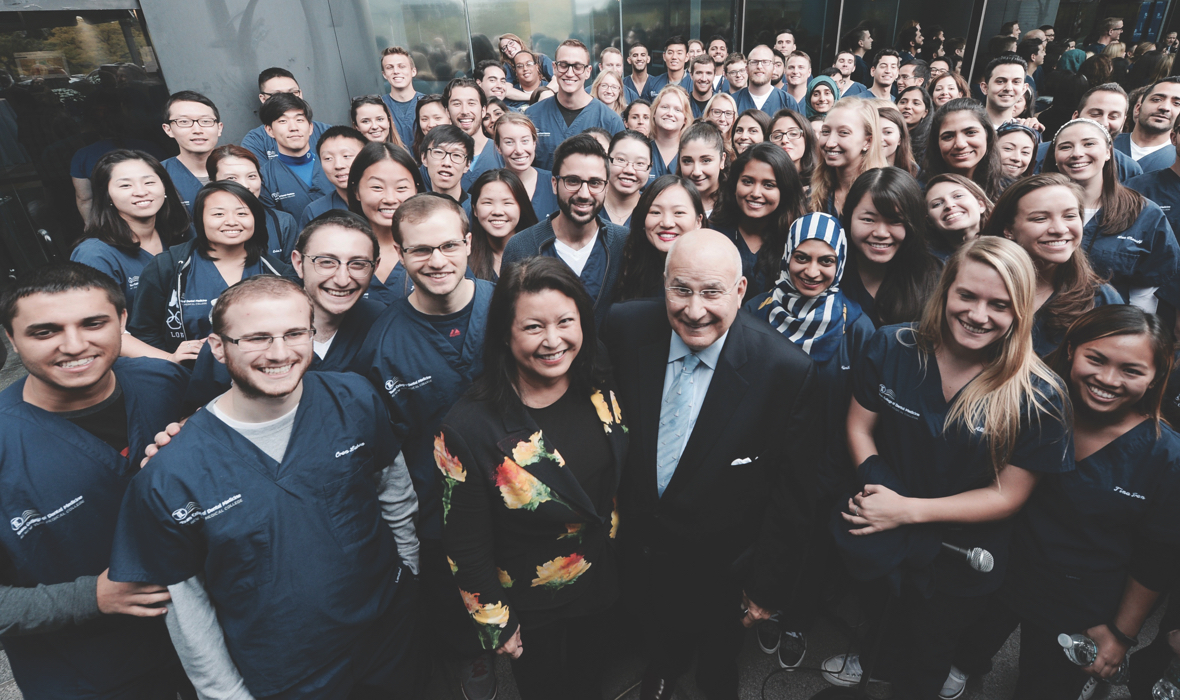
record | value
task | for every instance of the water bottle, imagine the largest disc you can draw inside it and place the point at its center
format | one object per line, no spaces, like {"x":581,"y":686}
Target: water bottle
{"x":1168,"y":687}
{"x":1082,"y":650}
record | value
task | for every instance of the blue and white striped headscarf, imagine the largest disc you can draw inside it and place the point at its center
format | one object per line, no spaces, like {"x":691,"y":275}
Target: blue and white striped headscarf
{"x":816,"y":324}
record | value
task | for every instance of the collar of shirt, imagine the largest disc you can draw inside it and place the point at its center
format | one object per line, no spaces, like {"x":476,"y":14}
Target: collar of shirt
{"x":678,"y":350}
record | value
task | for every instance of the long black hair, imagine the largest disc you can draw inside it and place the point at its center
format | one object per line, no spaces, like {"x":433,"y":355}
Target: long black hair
{"x":912,"y":274}
{"x":642,"y":272}
{"x":108,"y":226}
{"x":418,"y":135}
{"x":499,"y":380}
{"x":481,"y":260}
{"x":256,"y":246}
{"x":791,"y":205}
{"x":989,"y":172}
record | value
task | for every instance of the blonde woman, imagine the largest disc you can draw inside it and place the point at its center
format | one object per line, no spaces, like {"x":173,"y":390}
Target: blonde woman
{"x":721,"y":111}
{"x":849,"y":144}
{"x":671,"y":115}
{"x":516,"y":140}
{"x":959,"y":409}
{"x":608,"y":89}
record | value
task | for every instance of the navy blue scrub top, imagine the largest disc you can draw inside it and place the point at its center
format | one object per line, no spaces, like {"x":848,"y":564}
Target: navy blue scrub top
{"x":282,"y":188}
{"x":205,"y":284}
{"x":187,"y":185}
{"x":320,"y":206}
{"x":421,"y":375}
{"x":296,"y":557}
{"x":595,"y":270}
{"x":1043,"y":342}
{"x":120,"y":265}
{"x":544,"y":200}
{"x":1144,"y":255}
{"x":658,"y":166}
{"x":211,"y":378}
{"x":757,"y":283}
{"x":397,"y":285}
{"x":1163,"y":188}
{"x":281,"y":234}
{"x":403,"y":116}
{"x":1075,"y":539}
{"x":60,"y":491}
{"x":892,"y":380}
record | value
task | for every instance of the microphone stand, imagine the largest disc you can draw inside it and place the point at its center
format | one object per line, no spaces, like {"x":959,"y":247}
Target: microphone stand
{"x":861,"y":690}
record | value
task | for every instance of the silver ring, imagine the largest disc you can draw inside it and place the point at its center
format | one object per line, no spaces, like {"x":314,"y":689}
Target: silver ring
{"x":745,"y":611}
{"x":856,"y":511}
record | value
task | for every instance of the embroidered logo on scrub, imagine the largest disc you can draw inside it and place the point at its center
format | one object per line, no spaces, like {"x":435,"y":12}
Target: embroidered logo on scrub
{"x":394,"y":385}
{"x":890,"y":398}
{"x":192,"y":512}
{"x":32,"y":518}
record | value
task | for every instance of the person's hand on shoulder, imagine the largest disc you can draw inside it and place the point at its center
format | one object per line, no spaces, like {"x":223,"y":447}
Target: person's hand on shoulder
{"x":162,"y":438}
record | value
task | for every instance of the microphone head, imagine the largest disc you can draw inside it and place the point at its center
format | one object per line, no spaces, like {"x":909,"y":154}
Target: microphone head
{"x":981,"y":560}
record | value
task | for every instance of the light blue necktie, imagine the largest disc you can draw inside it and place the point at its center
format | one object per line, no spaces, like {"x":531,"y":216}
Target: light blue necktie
{"x":675,"y":416}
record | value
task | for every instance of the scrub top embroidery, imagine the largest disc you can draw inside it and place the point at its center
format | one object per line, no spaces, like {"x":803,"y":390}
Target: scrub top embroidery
{"x":205,"y":284}
{"x":1144,"y":255}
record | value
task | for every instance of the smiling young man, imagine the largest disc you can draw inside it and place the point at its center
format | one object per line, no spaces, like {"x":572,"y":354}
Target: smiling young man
{"x":736,"y":73}
{"x":446,"y":153}
{"x":572,"y":111}
{"x":1155,"y":116}
{"x":884,"y":73}
{"x":281,"y":497}
{"x":759,"y":93}
{"x":845,"y":66}
{"x":422,"y":354}
{"x":292,"y":179}
{"x":465,"y":103}
{"x":675,"y":55}
{"x":718,"y":50}
{"x":398,"y":69}
{"x":796,"y":75}
{"x":701,"y":71}
{"x":1003,"y":84}
{"x":271,"y":82}
{"x":335,"y":150}
{"x":492,"y":79}
{"x":590,"y":245}
{"x":192,"y":120}
{"x":1163,"y":186}
{"x":73,"y":433}
{"x":638,"y":58}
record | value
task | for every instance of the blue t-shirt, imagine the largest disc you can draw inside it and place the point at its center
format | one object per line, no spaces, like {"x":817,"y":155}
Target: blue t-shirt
{"x":403,"y":116}
{"x":123,"y":266}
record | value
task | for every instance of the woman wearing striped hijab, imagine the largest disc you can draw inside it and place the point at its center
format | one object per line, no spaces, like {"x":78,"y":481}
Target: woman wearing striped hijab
{"x":807,"y":306}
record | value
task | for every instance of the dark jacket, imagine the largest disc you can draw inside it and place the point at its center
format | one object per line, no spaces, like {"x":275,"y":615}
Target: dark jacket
{"x":520,"y":532}
{"x":739,"y":504}
{"x":161,"y":287}
{"x":539,"y":238}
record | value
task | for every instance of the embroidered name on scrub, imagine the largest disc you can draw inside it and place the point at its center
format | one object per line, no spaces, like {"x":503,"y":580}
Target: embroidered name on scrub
{"x":1123,"y":492}
{"x":192,"y":513}
{"x":354,"y":448}
{"x":394,"y":385}
{"x":1136,"y":241}
{"x":890,"y":398}
{"x":30,"y":519}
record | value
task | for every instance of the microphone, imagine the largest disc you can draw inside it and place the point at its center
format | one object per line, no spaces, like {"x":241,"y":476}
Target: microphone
{"x":979,"y":559}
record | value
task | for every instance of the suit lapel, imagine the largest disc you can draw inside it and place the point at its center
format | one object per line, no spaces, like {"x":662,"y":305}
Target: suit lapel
{"x":726,"y":390}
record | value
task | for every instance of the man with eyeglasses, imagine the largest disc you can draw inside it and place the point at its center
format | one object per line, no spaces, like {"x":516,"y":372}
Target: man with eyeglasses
{"x":271,"y":82}
{"x":528,"y":79}
{"x":335,"y":256}
{"x":572,"y":110}
{"x":422,"y":354}
{"x":71,"y":436}
{"x":446,"y":153}
{"x":675,"y":54}
{"x":701,"y":71}
{"x":292,"y":179}
{"x":713,"y":502}
{"x":576,"y":234}
{"x":398,"y":69}
{"x":279,"y":519}
{"x":193,"y":122}
{"x":1108,"y":31}
{"x":736,"y":73}
{"x":760,"y":94}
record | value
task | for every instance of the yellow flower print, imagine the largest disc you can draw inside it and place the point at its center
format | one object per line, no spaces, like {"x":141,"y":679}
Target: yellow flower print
{"x":600,"y":406}
{"x":560,"y":572}
{"x":454,"y":567}
{"x":531,"y":452}
{"x":614,"y":522}
{"x":492,"y":618}
{"x":505,"y":580}
{"x":614,"y":402}
{"x":573,"y":531}
{"x":521,"y":489}
{"x":452,"y":469}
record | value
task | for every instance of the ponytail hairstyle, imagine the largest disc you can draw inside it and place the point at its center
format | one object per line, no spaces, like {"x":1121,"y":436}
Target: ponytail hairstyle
{"x":1120,"y":205}
{"x":998,"y":398}
{"x":1121,"y":319}
{"x":913,"y":271}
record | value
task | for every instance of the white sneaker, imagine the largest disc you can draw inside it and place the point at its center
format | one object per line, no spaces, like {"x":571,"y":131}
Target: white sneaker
{"x":956,"y":683}
{"x":1088,"y":689}
{"x":843,"y":670}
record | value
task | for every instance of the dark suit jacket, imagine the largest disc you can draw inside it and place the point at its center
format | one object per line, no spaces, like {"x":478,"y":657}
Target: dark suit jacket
{"x":519,"y":530}
{"x":738,"y":502}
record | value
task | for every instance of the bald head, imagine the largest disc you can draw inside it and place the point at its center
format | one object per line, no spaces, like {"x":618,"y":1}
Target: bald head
{"x":703,"y":261}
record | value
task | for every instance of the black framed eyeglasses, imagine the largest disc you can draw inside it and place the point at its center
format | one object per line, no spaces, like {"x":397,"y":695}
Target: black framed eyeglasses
{"x":573,"y":183}
{"x":327,"y":265}
{"x":185,"y":123}
{"x":258,"y":343}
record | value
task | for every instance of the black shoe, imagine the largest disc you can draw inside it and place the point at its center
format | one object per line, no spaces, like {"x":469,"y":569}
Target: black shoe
{"x":792,"y":647}
{"x":655,"y":687}
{"x":768,"y":633}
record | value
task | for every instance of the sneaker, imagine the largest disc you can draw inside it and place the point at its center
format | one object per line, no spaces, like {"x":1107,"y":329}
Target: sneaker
{"x":844,"y":670}
{"x":478,"y":677}
{"x":768,"y":634}
{"x":792,"y":648}
{"x":956,"y":683}
{"x":1088,"y":689}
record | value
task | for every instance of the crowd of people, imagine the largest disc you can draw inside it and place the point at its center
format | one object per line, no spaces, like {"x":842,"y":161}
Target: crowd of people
{"x":565,"y":370}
